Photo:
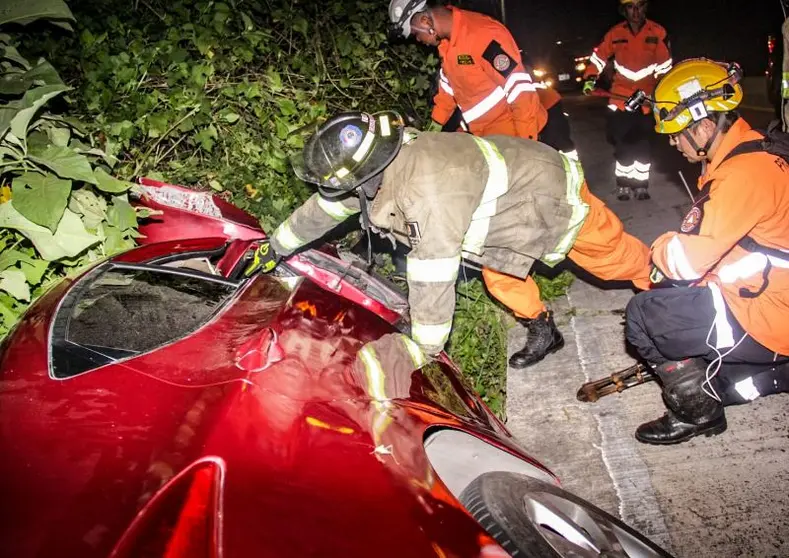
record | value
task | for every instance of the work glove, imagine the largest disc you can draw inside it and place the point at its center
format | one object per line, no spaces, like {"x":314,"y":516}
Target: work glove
{"x":589,"y":86}
{"x":265,"y":259}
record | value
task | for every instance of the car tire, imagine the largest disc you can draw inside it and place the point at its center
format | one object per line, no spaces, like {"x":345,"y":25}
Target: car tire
{"x":529,"y":517}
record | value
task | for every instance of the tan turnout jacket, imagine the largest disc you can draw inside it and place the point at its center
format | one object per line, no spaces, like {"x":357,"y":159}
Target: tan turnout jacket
{"x":501,"y":201}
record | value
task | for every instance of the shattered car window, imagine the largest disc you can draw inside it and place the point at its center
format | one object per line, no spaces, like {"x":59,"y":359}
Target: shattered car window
{"x":125,"y":312}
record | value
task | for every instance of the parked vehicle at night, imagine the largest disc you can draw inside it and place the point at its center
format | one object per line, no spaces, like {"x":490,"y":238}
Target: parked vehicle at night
{"x":163,"y":404}
{"x":561,"y":65}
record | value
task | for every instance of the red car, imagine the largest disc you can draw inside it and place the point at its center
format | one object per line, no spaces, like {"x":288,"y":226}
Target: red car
{"x":161,"y":404}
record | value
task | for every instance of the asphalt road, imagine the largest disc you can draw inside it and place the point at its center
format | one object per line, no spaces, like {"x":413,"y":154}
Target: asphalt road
{"x":723,"y":496}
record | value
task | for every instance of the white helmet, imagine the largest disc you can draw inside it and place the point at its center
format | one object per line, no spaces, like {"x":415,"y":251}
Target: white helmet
{"x":401,"y":12}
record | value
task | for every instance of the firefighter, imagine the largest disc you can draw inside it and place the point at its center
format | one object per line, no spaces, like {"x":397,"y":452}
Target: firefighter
{"x":502,"y":202}
{"x":485,"y":89}
{"x":638,"y":49}
{"x":481,"y":70}
{"x":724,"y":339}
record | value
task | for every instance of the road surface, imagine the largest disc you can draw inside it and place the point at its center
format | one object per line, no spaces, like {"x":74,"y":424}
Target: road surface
{"x":720,"y":497}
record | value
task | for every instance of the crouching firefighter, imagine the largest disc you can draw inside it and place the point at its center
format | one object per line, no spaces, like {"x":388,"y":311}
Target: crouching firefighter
{"x":724,"y":339}
{"x":502,"y":202}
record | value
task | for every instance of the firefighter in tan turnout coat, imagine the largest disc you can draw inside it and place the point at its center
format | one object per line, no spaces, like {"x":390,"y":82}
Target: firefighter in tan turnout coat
{"x":501,"y":201}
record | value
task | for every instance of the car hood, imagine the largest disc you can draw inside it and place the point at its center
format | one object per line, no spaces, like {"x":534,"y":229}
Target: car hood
{"x":311,"y":463}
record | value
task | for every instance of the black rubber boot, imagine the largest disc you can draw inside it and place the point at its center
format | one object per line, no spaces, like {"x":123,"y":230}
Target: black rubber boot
{"x":669,"y":429}
{"x":691,"y":412}
{"x":543,"y":339}
{"x":623,"y":193}
{"x":641,"y":193}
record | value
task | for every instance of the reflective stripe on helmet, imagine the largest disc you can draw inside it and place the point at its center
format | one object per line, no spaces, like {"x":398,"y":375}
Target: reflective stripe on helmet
{"x":364,"y":148}
{"x":496,"y":186}
{"x":336,"y":210}
{"x":435,"y":270}
{"x":575,"y":181}
{"x":431,"y":335}
{"x":286,"y":238}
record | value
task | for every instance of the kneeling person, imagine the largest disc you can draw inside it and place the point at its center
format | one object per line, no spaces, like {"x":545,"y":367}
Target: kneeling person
{"x":723,"y":340}
{"x":501,"y":201}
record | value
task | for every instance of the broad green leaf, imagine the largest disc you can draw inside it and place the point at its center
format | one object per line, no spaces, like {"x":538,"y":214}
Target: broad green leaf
{"x":9,"y":314}
{"x":10,"y":257}
{"x":42,"y":74}
{"x":41,"y":198}
{"x":10,"y":53}
{"x":17,"y":114}
{"x":115,"y":241}
{"x":14,"y":282}
{"x":65,"y":162}
{"x":248,"y":26}
{"x":23,"y":12}
{"x":69,"y":239}
{"x":215,"y":185}
{"x":59,"y":136}
{"x":231,"y":117}
{"x":121,"y":214}
{"x":108,"y":183}
{"x":287,"y":107}
{"x":92,"y":207}
{"x":34,"y":269}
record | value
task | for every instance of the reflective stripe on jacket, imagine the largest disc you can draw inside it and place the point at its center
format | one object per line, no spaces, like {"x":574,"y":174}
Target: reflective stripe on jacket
{"x":745,"y":196}
{"x":502,"y":202}
{"x":638,"y":60}
{"x":482,"y":73}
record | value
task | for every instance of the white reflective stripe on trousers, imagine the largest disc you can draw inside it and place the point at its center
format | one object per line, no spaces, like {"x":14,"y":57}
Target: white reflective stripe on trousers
{"x":335,"y":209}
{"x":724,"y":335}
{"x":679,"y":266}
{"x":435,"y":270}
{"x":495,"y":187}
{"x":747,"y":389}
{"x":636,"y":171}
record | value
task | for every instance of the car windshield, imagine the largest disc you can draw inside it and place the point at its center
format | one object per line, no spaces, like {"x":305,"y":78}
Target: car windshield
{"x":124,"y":311}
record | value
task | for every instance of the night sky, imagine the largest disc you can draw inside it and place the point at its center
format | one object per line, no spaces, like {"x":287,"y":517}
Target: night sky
{"x":720,"y":29}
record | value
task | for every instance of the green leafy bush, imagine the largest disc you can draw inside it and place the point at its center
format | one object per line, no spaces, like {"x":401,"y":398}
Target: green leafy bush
{"x":60,"y":207}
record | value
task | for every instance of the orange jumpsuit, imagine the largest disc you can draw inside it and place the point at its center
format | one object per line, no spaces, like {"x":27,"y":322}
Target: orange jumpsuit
{"x":745,"y":196}
{"x":482,"y":73}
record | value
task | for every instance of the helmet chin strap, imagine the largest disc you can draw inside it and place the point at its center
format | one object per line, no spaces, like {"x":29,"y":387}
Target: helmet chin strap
{"x":702,"y":151}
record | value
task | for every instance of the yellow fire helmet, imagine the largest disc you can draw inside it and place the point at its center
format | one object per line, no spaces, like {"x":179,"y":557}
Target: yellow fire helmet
{"x":691,"y":90}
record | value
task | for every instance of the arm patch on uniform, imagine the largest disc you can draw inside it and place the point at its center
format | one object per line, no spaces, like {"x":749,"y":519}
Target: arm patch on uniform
{"x":465,"y":60}
{"x":652,"y":40}
{"x":500,"y":60}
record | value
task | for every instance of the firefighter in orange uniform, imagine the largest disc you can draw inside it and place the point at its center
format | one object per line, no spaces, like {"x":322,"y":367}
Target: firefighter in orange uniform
{"x":483,"y":76}
{"x":481,"y":70}
{"x":725,"y":339}
{"x":638,"y":48}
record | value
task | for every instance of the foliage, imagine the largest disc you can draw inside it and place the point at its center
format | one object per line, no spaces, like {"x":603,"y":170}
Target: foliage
{"x":479,"y":343}
{"x":218,"y":94}
{"x":59,"y":206}
{"x":552,"y":288}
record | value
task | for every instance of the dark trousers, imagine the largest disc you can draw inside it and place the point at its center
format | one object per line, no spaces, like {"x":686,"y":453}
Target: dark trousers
{"x":631,"y":133}
{"x":672,"y":324}
{"x":556,"y":132}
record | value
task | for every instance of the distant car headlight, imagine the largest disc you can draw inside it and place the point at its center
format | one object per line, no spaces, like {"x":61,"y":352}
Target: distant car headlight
{"x":549,"y":82}
{"x":581,"y":66}
{"x":539,"y":72}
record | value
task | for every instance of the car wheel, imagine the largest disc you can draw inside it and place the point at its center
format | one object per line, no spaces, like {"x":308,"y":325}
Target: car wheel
{"x":529,"y":517}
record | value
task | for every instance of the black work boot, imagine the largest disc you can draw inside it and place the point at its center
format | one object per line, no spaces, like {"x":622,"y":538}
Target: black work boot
{"x":623,"y":193}
{"x":670,"y":429}
{"x":641,"y":193}
{"x":543,"y":339}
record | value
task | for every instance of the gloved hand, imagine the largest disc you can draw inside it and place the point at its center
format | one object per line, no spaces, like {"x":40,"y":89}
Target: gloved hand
{"x":433,"y":127}
{"x":265,"y":259}
{"x":589,"y":86}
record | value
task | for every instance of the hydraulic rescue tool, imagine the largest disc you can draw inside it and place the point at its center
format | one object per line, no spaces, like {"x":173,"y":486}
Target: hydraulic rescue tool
{"x":616,"y":383}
